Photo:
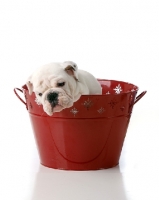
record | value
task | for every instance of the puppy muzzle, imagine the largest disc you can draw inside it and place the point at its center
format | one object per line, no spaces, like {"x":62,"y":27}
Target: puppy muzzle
{"x":52,"y":98}
{"x":55,"y":100}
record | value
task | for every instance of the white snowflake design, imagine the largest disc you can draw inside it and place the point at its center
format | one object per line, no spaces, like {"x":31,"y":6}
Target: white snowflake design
{"x":74,"y":111}
{"x":36,"y":100}
{"x":118,"y":89}
{"x":88,"y":104}
{"x":108,"y":92}
{"x":101,"y":110}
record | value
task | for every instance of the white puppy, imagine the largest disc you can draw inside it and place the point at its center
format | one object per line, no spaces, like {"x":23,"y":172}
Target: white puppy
{"x":58,"y":85}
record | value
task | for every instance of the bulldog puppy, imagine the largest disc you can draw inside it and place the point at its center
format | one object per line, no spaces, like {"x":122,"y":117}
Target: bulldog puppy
{"x":58,"y":85}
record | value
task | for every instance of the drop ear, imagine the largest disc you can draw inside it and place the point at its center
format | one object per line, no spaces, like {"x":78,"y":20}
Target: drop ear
{"x":71,"y":69}
{"x":29,"y":86}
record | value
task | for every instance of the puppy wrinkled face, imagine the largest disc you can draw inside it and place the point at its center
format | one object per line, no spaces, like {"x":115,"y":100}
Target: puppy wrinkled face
{"x":54,"y":86}
{"x":53,"y":95}
{"x":58,"y":85}
{"x":44,"y":86}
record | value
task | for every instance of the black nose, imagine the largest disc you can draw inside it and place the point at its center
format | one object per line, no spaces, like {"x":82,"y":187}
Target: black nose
{"x":53,"y":98}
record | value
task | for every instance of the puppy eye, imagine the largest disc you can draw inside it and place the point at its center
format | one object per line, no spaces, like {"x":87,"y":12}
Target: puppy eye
{"x":60,"y":84}
{"x":40,"y":94}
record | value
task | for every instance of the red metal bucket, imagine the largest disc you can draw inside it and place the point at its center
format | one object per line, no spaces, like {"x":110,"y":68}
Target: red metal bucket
{"x":87,"y":136}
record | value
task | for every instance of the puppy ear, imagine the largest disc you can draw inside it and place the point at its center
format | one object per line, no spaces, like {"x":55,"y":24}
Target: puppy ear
{"x":29,"y":86}
{"x":72,"y":69}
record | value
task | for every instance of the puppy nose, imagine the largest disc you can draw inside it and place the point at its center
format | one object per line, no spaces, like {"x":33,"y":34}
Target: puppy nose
{"x":53,"y":98}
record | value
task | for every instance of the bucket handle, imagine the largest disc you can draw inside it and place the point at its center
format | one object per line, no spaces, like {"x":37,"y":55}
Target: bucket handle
{"x":139,"y":97}
{"x":15,"y":91}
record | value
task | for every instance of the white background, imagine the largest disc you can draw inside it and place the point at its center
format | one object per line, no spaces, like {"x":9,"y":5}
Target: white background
{"x":116,"y":39}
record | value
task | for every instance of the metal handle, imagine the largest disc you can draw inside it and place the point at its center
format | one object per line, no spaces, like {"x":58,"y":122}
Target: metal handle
{"x":139,"y":97}
{"x":19,"y":96}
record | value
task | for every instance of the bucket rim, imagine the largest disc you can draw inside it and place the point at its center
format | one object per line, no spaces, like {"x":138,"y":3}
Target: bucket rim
{"x":135,"y":88}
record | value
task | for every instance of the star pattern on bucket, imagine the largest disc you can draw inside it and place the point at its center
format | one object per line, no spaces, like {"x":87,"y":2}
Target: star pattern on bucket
{"x":101,"y":110}
{"x":108,"y":92}
{"x":118,"y":89}
{"x":88,"y":103}
{"x":112,"y":103}
{"x":74,"y":111}
{"x":122,"y":108}
{"x":131,"y":99}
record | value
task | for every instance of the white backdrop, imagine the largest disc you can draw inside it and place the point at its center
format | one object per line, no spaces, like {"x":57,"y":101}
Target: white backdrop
{"x":116,"y":39}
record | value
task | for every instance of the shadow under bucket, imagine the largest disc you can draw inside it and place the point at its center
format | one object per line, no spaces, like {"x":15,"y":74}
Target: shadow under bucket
{"x":90,"y":134}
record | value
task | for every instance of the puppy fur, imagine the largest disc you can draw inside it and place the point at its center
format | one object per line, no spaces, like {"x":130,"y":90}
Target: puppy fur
{"x":58,"y":85}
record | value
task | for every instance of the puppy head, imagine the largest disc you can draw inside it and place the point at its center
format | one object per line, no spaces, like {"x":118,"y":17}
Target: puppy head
{"x":54,"y":85}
